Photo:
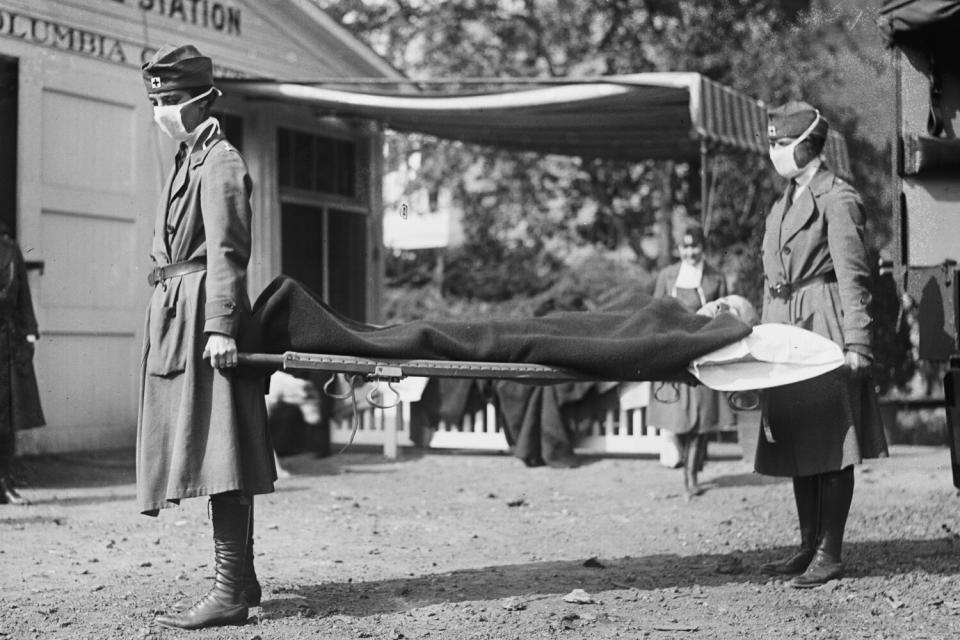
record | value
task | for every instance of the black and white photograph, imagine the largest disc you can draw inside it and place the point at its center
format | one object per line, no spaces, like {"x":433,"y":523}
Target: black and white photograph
{"x":479,"y":319}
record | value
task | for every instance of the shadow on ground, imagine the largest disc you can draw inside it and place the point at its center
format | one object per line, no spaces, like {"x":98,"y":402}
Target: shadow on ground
{"x":118,"y":467}
{"x":75,"y":470}
{"x":746,"y":479}
{"x":532,"y":580}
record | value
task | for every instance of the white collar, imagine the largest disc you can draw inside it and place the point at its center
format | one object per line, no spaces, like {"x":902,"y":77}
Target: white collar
{"x":689,"y":276}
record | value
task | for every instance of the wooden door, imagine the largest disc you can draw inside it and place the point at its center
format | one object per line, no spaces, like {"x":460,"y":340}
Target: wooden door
{"x":83,"y":129}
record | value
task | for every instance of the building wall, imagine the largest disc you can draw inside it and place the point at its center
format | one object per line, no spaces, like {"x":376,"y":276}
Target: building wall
{"x":90,"y":165}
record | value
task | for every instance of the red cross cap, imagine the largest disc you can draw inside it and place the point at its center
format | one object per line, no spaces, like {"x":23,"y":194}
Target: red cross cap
{"x":175,"y":68}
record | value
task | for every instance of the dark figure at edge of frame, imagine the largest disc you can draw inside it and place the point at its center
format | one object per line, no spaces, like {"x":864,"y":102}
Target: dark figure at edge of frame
{"x":202,"y":428}
{"x":19,"y":396}
{"x":816,"y":276}
{"x":694,"y":411}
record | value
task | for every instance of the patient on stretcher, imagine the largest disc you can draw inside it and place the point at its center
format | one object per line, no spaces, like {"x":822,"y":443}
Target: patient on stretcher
{"x":656,"y":339}
{"x":653,"y":340}
{"x":737,"y":306}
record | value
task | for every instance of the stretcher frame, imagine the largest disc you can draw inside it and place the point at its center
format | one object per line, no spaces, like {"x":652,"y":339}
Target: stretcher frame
{"x":390,"y":370}
{"x":394,"y":370}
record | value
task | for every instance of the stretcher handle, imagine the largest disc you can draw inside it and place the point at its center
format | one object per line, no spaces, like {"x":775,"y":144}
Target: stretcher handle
{"x":261,"y":360}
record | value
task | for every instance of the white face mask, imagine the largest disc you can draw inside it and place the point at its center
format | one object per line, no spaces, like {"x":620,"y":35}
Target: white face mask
{"x":784,"y":159}
{"x":169,"y":117}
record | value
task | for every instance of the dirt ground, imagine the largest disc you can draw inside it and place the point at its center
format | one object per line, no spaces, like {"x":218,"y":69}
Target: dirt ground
{"x":467,"y":546}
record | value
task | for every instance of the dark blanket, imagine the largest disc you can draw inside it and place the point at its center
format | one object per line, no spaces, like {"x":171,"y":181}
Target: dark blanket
{"x":654,"y":341}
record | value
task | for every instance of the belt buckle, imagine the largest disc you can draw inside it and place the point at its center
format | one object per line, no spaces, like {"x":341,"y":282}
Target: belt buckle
{"x":781,"y":290}
{"x":155,"y":276}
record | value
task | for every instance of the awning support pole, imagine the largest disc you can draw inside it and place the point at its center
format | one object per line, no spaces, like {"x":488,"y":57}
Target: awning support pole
{"x":704,"y":193}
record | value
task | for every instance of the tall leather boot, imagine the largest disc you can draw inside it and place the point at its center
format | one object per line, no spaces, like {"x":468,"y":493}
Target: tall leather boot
{"x":836,"y":495}
{"x":224,"y":603}
{"x":252,"y":592}
{"x":806,"y":494}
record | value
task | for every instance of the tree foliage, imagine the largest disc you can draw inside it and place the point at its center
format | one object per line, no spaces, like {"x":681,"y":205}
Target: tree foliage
{"x":542,"y":211}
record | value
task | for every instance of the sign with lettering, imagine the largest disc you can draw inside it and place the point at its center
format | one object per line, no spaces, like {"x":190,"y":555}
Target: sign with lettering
{"x":57,"y":35}
{"x":209,"y":14}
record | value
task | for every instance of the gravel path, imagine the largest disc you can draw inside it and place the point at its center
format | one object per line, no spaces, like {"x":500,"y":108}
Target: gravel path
{"x":456,"y":546}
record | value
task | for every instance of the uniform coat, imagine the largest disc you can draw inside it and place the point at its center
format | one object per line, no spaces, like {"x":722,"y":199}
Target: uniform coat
{"x":19,"y":395}
{"x":697,"y":409}
{"x":832,"y":421}
{"x":201,"y":431}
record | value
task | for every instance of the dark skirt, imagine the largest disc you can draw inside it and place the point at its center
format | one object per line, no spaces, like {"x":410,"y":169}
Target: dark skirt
{"x":824,"y":424}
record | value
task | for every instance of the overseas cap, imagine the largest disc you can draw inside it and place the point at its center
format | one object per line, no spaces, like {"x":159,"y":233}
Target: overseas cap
{"x":173,"y":68}
{"x":792,"y":119}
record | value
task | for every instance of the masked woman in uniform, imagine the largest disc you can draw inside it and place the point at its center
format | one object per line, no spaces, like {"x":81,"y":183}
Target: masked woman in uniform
{"x":816,"y":277}
{"x":19,"y":396}
{"x":202,"y":428}
{"x":686,"y":414}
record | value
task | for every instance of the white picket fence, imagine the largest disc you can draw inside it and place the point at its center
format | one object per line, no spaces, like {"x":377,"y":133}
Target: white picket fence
{"x":620,"y":431}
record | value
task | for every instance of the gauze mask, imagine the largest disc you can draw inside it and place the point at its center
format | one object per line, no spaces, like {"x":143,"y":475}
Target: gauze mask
{"x":783,"y":158}
{"x":169,"y":117}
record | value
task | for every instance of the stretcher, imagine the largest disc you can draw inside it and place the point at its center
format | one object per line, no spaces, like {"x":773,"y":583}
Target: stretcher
{"x":393,"y":370}
{"x":772,"y":355}
{"x":389,"y":371}
{"x":384,"y":372}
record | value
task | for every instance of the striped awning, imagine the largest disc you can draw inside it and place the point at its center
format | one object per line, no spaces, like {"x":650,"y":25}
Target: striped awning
{"x":637,"y":117}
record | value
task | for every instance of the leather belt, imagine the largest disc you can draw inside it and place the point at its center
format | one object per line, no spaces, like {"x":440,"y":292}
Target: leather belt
{"x":159,"y":274}
{"x":785,"y":290}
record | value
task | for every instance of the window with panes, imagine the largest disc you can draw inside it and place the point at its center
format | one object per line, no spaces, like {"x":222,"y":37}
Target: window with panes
{"x":324,"y":217}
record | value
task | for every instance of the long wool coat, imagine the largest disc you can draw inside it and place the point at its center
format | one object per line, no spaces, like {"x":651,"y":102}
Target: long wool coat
{"x":832,"y":421}
{"x":19,"y":396}
{"x":694,"y":409}
{"x":201,"y":431}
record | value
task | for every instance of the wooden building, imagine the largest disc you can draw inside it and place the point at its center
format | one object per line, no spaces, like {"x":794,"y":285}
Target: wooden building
{"x":82,"y":164}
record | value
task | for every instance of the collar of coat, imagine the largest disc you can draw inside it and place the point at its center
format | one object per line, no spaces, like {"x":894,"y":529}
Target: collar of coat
{"x":823,"y":180}
{"x":802,"y":209}
{"x":207,"y":134}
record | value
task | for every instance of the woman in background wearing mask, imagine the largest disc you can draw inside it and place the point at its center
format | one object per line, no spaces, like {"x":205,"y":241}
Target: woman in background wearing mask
{"x":816,"y":277}
{"x":684,"y":413}
{"x":202,"y":428}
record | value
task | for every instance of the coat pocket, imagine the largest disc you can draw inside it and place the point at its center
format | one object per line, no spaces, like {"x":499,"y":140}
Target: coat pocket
{"x":823,"y":315}
{"x":169,"y":332}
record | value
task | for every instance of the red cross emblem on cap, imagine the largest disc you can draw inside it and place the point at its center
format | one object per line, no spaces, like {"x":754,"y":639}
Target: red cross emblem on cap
{"x":771,"y":130}
{"x":155,"y":82}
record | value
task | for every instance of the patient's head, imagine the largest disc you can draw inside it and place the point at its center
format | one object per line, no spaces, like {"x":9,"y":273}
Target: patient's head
{"x":738,"y":306}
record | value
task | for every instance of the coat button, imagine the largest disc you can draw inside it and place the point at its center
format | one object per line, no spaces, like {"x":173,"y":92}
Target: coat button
{"x":786,"y":251}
